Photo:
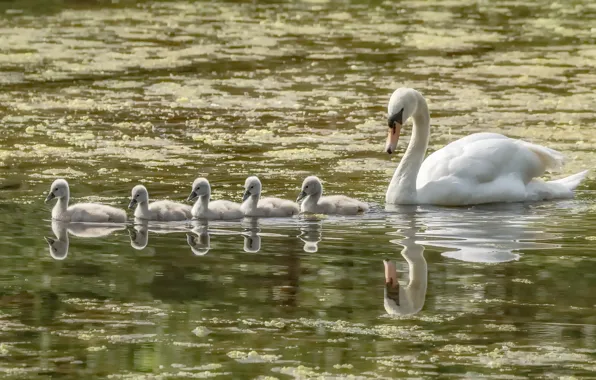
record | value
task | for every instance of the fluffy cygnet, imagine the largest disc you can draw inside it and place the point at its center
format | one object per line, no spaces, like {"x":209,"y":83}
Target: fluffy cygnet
{"x":216,"y":210}
{"x":165,"y":211}
{"x":81,"y":212}
{"x":254,"y":205}
{"x":314,"y":202}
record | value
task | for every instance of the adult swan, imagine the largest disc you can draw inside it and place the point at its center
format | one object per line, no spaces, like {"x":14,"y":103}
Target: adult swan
{"x":479,"y":168}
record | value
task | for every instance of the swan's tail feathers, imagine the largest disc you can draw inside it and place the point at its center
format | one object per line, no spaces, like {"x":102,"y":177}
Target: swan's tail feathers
{"x":572,"y":181}
{"x":551,"y":159}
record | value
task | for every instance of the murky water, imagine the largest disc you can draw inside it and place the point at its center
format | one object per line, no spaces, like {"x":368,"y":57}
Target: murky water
{"x":113,"y":94}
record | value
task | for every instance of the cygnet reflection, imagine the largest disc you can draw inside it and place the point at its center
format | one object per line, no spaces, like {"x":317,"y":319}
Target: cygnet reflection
{"x":251,"y":235}
{"x":311,"y":232}
{"x":59,"y":246}
{"x":139,"y":232}
{"x":198,"y":239}
{"x":409,"y":299}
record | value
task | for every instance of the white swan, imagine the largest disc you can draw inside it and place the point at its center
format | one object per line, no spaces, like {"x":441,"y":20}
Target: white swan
{"x":254,"y":205}
{"x":81,"y":212}
{"x":479,"y":168}
{"x":314,"y":202}
{"x":216,"y":210}
{"x":166,"y":211}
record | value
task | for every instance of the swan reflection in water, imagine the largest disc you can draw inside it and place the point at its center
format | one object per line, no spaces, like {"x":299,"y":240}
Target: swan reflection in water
{"x":59,"y":246}
{"x":485,"y":233}
{"x":311,"y":233}
{"x":409,"y":299}
{"x":139,"y":232}
{"x":198,"y":238}
{"x":251,"y":235}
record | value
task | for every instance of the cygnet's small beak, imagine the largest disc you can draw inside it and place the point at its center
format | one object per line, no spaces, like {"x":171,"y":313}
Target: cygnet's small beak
{"x":246,"y":195}
{"x":192,"y":196}
{"x":301,"y":196}
{"x":49,"y":240}
{"x":50,"y":197}
{"x":132,"y":204}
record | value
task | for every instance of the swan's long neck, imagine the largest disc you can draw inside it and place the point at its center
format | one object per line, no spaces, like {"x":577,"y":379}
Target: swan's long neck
{"x":201,"y":206}
{"x":60,"y":207}
{"x":142,"y":210}
{"x":310,"y":202}
{"x":402,"y":189}
{"x":415,"y":291}
{"x":250,"y":205}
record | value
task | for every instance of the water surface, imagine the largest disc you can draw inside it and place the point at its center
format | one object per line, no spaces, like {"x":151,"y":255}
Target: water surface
{"x":111,"y":94}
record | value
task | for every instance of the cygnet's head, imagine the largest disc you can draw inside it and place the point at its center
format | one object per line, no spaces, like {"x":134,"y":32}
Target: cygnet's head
{"x":310,"y":186}
{"x":58,"y":248}
{"x":199,"y":244}
{"x":59,"y":189}
{"x":391,"y":291}
{"x":139,"y":237}
{"x":252,"y":186}
{"x":138,"y":195}
{"x":200,"y":188}
{"x":402,"y":105}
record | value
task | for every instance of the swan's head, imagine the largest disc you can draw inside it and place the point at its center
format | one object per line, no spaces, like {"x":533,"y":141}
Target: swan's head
{"x":138,"y":195}
{"x":402,"y":105}
{"x":59,"y":189}
{"x":58,"y":248}
{"x":252,"y":186}
{"x":391,"y":286}
{"x":199,"y":244}
{"x":310,"y":186}
{"x":200,"y":188}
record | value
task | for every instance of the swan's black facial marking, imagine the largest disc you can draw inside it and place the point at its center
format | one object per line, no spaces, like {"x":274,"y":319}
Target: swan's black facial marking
{"x":396,"y":118}
{"x":392,"y":291}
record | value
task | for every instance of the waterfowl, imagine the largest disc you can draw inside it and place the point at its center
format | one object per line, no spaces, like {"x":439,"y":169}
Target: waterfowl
{"x":479,"y":168}
{"x":315,"y":202}
{"x":211,"y":210}
{"x":165,"y":210}
{"x":81,"y":212}
{"x":255,"y":206}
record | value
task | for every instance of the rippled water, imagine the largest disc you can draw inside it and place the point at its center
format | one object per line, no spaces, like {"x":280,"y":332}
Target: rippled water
{"x":111,"y":94}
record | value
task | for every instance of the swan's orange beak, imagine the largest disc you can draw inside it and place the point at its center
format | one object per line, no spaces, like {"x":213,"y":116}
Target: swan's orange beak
{"x":392,"y":137}
{"x":391,"y":283}
{"x":390,"y":274}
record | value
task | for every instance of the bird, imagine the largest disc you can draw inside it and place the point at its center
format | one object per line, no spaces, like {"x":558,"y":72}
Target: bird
{"x":315,"y":202}
{"x":165,"y":210}
{"x":255,"y":206}
{"x":81,"y":212}
{"x":211,"y":210}
{"x":479,"y":168}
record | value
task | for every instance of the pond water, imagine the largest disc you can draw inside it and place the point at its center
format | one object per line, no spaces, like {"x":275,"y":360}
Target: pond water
{"x":112,"y":94}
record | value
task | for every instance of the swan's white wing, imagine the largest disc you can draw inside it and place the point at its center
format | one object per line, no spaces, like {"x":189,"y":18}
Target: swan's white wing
{"x":486,"y":157}
{"x":95,"y":212}
{"x":277,"y":207}
{"x":166,"y":210}
{"x":486,"y":167}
